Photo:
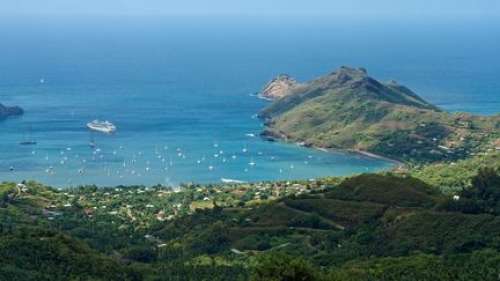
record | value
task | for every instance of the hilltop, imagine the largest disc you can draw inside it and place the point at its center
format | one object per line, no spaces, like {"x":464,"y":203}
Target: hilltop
{"x":6,"y":111}
{"x":348,"y":109}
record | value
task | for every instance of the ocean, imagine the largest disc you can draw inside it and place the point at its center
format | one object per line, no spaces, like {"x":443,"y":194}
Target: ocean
{"x":181,"y":91}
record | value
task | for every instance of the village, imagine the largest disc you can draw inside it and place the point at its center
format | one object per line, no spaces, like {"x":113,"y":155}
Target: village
{"x":141,"y":207}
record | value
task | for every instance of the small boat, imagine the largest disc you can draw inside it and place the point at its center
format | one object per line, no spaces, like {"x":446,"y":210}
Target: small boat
{"x":102,"y":126}
{"x":28,"y":140}
{"x":92,"y":143}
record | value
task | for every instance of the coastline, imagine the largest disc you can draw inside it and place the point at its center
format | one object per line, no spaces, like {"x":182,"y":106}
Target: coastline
{"x":262,"y":97}
{"x":273,"y":136}
{"x":399,"y":164}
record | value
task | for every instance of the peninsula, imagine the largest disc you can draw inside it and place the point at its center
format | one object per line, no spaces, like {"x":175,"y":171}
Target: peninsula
{"x":347,"y":109}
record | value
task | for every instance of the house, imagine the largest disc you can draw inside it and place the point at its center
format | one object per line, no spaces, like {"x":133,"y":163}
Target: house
{"x":22,"y":187}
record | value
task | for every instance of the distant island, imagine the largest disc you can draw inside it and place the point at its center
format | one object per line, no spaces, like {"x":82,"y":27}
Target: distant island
{"x":7,"y":111}
{"x":348,"y":109}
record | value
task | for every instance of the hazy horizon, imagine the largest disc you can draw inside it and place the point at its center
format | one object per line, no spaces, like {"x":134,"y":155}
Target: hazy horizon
{"x":356,"y":8}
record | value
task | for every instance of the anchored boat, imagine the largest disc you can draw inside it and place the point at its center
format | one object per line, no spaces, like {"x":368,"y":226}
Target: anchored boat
{"x":28,"y":140}
{"x":102,"y":126}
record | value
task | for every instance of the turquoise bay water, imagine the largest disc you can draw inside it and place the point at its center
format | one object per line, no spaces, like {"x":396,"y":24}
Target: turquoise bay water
{"x":180,"y":92}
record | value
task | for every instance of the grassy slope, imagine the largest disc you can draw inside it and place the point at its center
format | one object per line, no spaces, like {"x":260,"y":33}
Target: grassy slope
{"x":349,"y":110}
{"x":453,"y":177}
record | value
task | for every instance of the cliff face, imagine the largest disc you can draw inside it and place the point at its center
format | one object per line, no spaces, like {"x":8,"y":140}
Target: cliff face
{"x":6,"y":111}
{"x":347,"y":109}
{"x":279,"y":87}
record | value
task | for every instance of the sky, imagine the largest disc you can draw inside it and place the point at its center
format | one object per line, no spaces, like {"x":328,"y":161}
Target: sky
{"x":252,"y":7}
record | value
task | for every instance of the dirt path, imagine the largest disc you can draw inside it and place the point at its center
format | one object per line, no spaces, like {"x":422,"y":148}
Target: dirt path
{"x":329,"y":221}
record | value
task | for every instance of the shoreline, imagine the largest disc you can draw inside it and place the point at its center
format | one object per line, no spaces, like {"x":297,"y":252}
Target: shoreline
{"x":285,"y":139}
{"x":368,"y":154}
{"x":262,"y":97}
{"x":377,"y":156}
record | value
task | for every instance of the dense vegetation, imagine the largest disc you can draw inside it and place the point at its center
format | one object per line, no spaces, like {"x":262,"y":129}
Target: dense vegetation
{"x":452,"y":177}
{"x":368,"y":227}
{"x":347,"y":109}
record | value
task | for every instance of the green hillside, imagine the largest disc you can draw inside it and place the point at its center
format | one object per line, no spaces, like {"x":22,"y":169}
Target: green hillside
{"x":347,"y":109}
{"x":367,"y":227}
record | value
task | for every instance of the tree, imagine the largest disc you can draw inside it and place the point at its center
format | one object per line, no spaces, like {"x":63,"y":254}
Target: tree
{"x":485,"y":190}
{"x":282,"y":267}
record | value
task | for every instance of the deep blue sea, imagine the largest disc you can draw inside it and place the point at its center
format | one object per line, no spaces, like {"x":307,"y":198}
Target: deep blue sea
{"x":180,"y":91}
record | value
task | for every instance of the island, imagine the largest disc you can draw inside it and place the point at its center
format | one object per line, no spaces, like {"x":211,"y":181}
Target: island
{"x":7,"y":111}
{"x":347,"y":109}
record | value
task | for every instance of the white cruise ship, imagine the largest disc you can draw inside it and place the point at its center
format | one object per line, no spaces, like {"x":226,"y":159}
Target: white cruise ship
{"x":102,"y":126}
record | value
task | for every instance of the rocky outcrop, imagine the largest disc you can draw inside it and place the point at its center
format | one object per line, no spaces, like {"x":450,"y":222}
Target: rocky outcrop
{"x":279,"y":87}
{"x":6,"y":111}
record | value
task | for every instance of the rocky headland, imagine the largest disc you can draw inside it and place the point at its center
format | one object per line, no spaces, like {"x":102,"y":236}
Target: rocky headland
{"x":279,"y":87}
{"x":7,"y":111}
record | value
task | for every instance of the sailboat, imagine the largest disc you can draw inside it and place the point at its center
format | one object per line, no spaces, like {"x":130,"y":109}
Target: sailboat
{"x":28,"y":140}
{"x":92,"y":143}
